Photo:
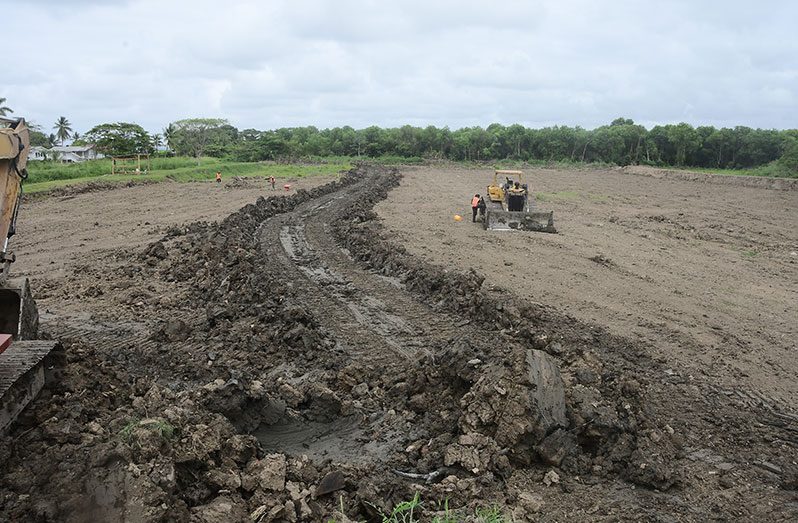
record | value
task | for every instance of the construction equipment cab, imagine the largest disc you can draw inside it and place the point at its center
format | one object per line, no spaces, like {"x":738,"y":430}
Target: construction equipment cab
{"x":510,"y":207}
{"x":26,"y":364}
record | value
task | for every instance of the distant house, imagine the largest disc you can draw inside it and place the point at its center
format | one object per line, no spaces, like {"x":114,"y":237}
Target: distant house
{"x":65,"y":154}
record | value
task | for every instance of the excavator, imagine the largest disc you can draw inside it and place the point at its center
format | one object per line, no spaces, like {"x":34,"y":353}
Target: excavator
{"x":508,"y":205}
{"x":26,"y":364}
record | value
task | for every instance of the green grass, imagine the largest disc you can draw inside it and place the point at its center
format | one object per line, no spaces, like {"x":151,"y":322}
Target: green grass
{"x":45,"y":176}
{"x":164,"y":429}
{"x":409,"y":512}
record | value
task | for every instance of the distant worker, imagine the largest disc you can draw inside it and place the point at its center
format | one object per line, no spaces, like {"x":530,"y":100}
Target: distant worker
{"x":218,"y":177}
{"x":474,"y":207}
{"x":481,"y":208}
{"x":272,"y":181}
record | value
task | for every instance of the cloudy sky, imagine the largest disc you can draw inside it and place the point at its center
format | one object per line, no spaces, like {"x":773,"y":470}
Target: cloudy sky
{"x":275,"y":63}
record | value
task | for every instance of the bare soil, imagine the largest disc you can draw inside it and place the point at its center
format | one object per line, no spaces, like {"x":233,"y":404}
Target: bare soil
{"x":79,"y":225}
{"x":705,"y":275}
{"x":301,"y":354}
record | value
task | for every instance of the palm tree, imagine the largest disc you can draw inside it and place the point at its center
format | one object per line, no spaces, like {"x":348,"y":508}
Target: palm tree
{"x":76,"y":136}
{"x":4,"y":110}
{"x":52,"y":140}
{"x":157,"y":141}
{"x":169,"y":135}
{"x":63,"y":129}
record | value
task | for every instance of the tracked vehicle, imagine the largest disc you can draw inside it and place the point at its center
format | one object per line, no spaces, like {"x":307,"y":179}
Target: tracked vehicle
{"x":508,"y":205}
{"x":26,"y":364}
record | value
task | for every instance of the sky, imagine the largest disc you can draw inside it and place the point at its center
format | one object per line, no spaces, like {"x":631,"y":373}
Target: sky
{"x":273,"y":63}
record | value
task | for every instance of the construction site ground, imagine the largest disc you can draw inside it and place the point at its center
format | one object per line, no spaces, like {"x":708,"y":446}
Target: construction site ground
{"x":328,"y":353}
{"x":705,"y":275}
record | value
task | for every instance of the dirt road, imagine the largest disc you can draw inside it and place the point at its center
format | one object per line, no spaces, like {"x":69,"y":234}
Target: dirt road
{"x":706,"y":275}
{"x":294,"y":358}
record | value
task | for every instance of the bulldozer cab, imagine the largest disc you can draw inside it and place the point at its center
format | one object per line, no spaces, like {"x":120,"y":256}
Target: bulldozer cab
{"x":506,"y":183}
{"x":503,"y":181}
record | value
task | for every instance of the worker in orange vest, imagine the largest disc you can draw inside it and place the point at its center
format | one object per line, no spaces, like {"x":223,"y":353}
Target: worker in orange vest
{"x":474,"y":207}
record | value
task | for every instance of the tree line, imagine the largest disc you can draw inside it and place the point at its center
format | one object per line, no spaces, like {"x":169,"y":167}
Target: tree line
{"x":622,"y":142}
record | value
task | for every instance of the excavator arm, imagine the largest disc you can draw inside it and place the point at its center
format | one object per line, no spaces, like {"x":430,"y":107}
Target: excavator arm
{"x":14,"y":148}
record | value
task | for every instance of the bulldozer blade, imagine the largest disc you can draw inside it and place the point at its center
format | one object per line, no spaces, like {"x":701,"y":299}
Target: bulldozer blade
{"x":538,"y":221}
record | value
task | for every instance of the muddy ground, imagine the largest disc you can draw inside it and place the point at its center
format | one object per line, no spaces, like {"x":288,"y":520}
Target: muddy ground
{"x":294,"y":358}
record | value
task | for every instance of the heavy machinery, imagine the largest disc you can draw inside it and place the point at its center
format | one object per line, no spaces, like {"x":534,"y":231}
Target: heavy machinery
{"x":508,"y":205}
{"x":26,"y":364}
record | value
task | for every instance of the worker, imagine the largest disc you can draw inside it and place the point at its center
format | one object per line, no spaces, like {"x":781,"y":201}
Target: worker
{"x":474,"y":207}
{"x":218,"y":177}
{"x":481,"y":208}
{"x":272,"y":181}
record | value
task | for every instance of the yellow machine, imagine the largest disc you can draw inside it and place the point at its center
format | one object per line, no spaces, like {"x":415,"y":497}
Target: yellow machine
{"x":26,"y":364}
{"x":508,"y":205}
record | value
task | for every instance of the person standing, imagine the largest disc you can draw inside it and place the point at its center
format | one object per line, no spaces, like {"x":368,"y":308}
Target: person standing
{"x":272,"y":181}
{"x":481,"y":206}
{"x":474,"y":207}
{"x":218,"y":177}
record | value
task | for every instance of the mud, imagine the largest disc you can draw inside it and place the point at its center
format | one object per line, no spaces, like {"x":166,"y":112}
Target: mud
{"x":293,"y":358}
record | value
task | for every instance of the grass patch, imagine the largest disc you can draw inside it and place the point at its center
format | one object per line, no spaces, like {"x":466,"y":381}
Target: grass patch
{"x":165,"y":431}
{"x":750,"y":254}
{"x":53,"y":175}
{"x":126,"y":434}
{"x":598,"y":197}
{"x":410,"y":511}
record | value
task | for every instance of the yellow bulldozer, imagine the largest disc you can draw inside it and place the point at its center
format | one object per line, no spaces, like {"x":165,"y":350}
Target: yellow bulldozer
{"x":508,"y":205}
{"x":26,"y":364}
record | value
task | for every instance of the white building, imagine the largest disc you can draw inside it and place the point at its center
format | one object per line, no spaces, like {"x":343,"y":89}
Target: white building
{"x":65,"y":154}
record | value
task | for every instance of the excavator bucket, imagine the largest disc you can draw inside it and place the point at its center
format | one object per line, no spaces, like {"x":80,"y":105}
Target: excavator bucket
{"x":538,"y":221}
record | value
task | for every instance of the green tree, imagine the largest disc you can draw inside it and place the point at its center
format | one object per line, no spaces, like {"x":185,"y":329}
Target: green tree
{"x":38,"y":139}
{"x":684,"y":139}
{"x":157,"y":141}
{"x":63,"y":129}
{"x":789,"y":160}
{"x":169,"y":136}
{"x":192,"y":136}
{"x":4,"y":109}
{"x":119,"y":139}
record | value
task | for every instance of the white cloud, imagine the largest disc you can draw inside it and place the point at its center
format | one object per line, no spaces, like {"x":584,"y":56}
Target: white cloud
{"x":325,"y":63}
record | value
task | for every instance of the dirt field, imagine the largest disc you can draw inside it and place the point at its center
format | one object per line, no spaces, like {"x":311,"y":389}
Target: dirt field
{"x":706,"y":275}
{"x":60,"y":232}
{"x":304,"y":358}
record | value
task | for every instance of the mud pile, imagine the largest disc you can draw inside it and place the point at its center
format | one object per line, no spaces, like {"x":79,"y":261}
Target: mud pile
{"x":193,"y":419}
{"x":602,"y":427}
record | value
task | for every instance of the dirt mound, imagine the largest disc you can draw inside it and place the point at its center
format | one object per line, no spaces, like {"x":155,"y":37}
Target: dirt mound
{"x":763,"y":182}
{"x":82,"y":188}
